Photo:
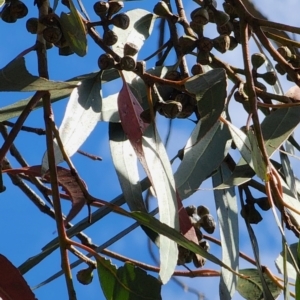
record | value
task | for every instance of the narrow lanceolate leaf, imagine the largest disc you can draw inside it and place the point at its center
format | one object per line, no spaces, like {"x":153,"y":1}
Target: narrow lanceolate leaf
{"x":251,"y":288}
{"x":210,"y":91}
{"x":227,"y":212}
{"x":288,"y":173}
{"x":127,"y":282}
{"x":65,"y":179}
{"x":125,"y":163}
{"x":259,"y":164}
{"x":81,"y":116}
{"x":164,"y":185}
{"x":297,"y":288}
{"x":74,"y":30}
{"x":152,"y":155}
{"x":201,"y":158}
{"x":279,"y":262}
{"x":14,"y":77}
{"x":12,"y":284}
{"x":139,"y":29}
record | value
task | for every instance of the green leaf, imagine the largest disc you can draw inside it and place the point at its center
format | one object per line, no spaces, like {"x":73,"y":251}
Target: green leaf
{"x":291,"y":272}
{"x":201,"y":158}
{"x":227,"y":212}
{"x":81,"y":116}
{"x":74,"y":30}
{"x":14,"y":77}
{"x":127,"y":282}
{"x":139,"y":29}
{"x":251,"y":288}
{"x":210,"y":91}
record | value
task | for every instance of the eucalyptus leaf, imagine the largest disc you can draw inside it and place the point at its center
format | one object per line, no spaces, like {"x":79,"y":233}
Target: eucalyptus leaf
{"x":74,"y":30}
{"x":201,"y":158}
{"x":127,"y":282}
{"x":227,"y":212}
{"x":210,"y":91}
{"x":14,"y":77}
{"x":81,"y":116}
{"x":291,"y":272}
{"x":251,"y":288}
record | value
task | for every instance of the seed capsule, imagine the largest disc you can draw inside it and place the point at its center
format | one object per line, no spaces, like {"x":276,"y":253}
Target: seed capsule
{"x":32,"y":25}
{"x":208,"y":223}
{"x":269,"y":77}
{"x":52,"y":34}
{"x":106,"y":61}
{"x":128,"y":63}
{"x":170,"y":109}
{"x":220,"y":17}
{"x":202,"y":210}
{"x":85,"y":276}
{"x":191,"y":210}
{"x":18,"y":9}
{"x":204,"y":58}
{"x":114,"y":7}
{"x":121,"y":21}
{"x":197,"y":69}
{"x":187,"y":44}
{"x":162,"y":9}
{"x":257,"y":60}
{"x":130,"y":49}
{"x":204,"y":44}
{"x":200,"y":16}
{"x":109,"y":37}
{"x":222,"y":43}
{"x":101,"y":8}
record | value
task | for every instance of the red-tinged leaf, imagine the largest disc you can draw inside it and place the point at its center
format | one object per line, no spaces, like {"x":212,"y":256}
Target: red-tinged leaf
{"x":65,"y":179}
{"x":12,"y":285}
{"x":133,"y":126}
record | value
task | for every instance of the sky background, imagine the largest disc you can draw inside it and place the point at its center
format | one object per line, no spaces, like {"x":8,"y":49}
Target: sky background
{"x":25,"y":230}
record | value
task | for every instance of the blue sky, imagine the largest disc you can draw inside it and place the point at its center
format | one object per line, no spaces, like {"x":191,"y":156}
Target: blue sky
{"x":24,"y":230}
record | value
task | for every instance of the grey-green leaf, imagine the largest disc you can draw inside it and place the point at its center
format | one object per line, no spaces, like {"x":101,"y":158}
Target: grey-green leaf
{"x":227,"y":212}
{"x":201,"y":158}
{"x":14,"y":77}
{"x":210,"y":91}
{"x":251,"y":288}
{"x":81,"y":116}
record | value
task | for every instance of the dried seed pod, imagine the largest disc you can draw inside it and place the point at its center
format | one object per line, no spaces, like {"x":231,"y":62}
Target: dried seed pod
{"x":106,"y":61}
{"x":250,"y":213}
{"x":170,"y":109}
{"x":198,"y":261}
{"x":130,"y":49}
{"x":204,"y":44}
{"x":101,"y":8}
{"x":225,"y":29}
{"x":32,"y":25}
{"x":268,"y":77}
{"x":204,"y":58}
{"x":285,"y":52}
{"x":236,"y":30}
{"x":260,"y":85}
{"x":190,"y":210}
{"x":204,"y":244}
{"x":279,"y":69}
{"x":200,"y":16}
{"x":211,"y":3}
{"x":222,"y":43}
{"x":197,"y":69}
{"x":184,"y":256}
{"x":85,"y":276}
{"x":188,"y":105}
{"x":220,"y":17}
{"x":208,"y":223}
{"x":230,"y":10}
{"x":6,"y":16}
{"x":18,"y":9}
{"x":187,"y":44}
{"x":197,"y":28}
{"x":65,"y":51}
{"x":109,"y":37}
{"x":257,"y":60}
{"x":162,"y":9}
{"x":263,"y":203}
{"x":128,"y":63}
{"x":173,"y":75}
{"x":233,"y":43}
{"x":202,"y":210}
{"x":121,"y":21}
{"x":114,"y":8}
{"x":52,"y":34}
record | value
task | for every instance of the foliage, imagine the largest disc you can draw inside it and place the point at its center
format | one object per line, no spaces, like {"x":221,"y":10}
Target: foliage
{"x":237,"y":161}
